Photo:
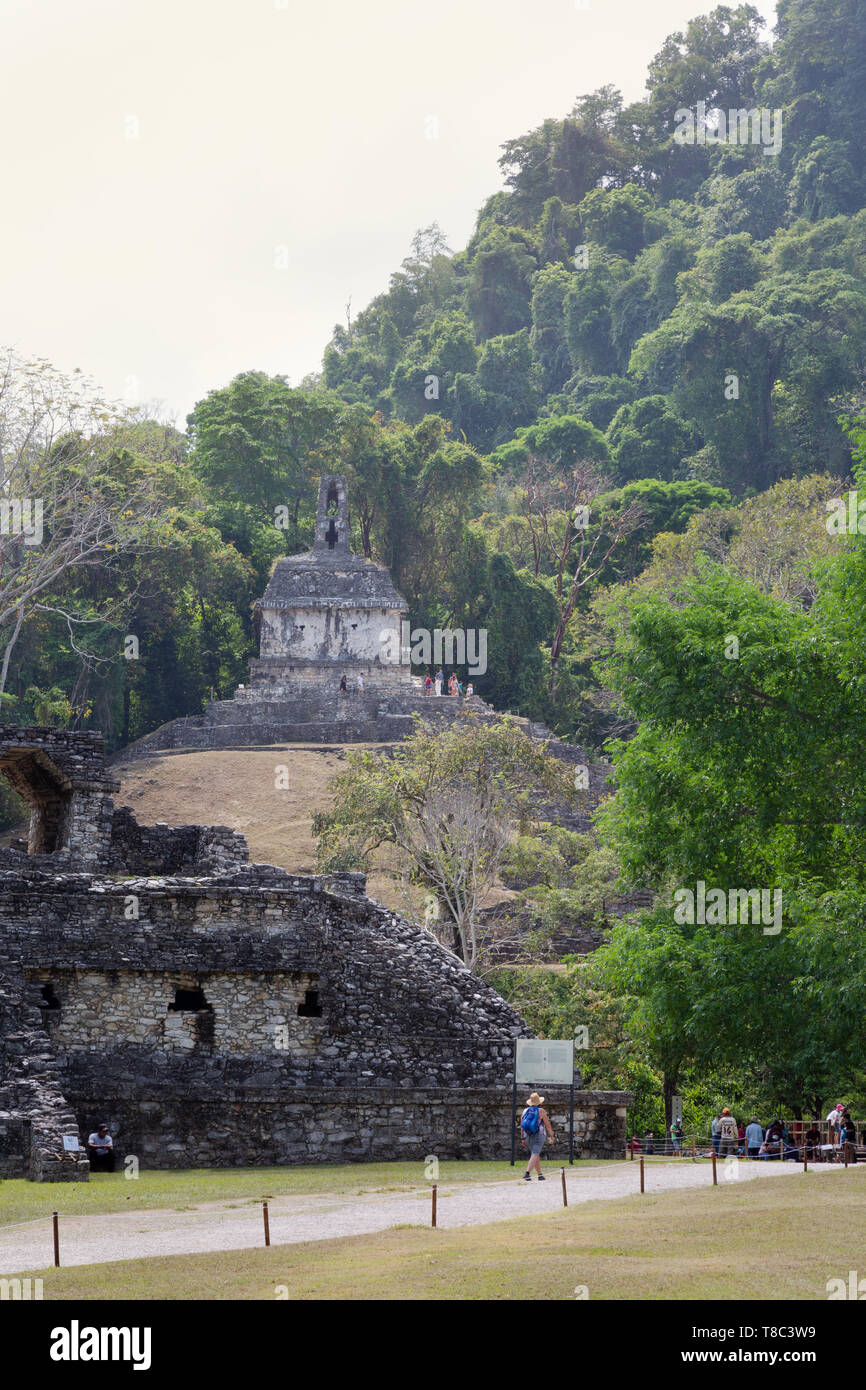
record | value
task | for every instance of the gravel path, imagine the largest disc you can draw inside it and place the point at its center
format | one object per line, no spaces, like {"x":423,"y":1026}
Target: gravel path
{"x":222,"y":1226}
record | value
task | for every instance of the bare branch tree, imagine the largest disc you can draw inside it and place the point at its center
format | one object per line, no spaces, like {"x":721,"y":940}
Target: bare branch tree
{"x":64,"y":504}
{"x":559,"y":511}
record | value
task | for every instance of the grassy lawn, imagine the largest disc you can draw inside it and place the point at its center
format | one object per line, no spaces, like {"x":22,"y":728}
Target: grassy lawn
{"x":778,"y":1239}
{"x":179,"y":1189}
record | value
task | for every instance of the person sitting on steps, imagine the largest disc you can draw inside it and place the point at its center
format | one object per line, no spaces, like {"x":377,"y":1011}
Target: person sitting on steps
{"x":100,"y":1150}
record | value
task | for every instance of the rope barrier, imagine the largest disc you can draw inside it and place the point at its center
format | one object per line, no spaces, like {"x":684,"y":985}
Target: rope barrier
{"x":34,"y":1221}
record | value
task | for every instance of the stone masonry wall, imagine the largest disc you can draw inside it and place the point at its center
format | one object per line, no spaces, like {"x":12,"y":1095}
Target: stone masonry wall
{"x":321,"y":1127}
{"x":179,"y":849}
{"x":244,"y":1013}
{"x":410,"y":1052}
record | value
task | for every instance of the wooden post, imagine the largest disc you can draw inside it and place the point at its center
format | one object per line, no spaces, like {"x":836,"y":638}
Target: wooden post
{"x":56,"y":1241}
{"x":564,"y":1192}
{"x":805,"y":1157}
{"x":715,"y":1174}
{"x":641,"y":1173}
{"x":631,"y":1151}
{"x":267,"y":1223}
{"x":433,"y":1221}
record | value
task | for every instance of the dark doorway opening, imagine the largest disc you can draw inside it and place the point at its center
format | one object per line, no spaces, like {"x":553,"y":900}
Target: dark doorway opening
{"x":331,"y":534}
{"x":47,"y":791}
{"x":311,"y":1008}
{"x":191,"y":1000}
{"x":49,"y":998}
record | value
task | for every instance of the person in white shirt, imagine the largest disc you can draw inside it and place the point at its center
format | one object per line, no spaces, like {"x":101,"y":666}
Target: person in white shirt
{"x":360,"y":684}
{"x":100,"y":1150}
{"x":834,"y":1125}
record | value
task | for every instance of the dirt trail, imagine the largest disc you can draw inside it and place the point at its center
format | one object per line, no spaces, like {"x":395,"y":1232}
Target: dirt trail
{"x":226,"y":1226}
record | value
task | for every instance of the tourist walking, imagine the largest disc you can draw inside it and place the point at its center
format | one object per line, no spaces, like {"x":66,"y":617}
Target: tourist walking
{"x":437,"y":682}
{"x":360,"y":684}
{"x":428,"y":683}
{"x":714,"y":1131}
{"x":535,"y":1130}
{"x":343,"y":688}
{"x":676,"y":1136}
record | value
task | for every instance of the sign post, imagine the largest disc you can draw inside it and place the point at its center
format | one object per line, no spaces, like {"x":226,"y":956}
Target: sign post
{"x":543,"y":1062}
{"x":514,"y":1109}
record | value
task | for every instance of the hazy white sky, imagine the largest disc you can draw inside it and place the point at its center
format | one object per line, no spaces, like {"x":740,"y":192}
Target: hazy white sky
{"x":163,"y":159}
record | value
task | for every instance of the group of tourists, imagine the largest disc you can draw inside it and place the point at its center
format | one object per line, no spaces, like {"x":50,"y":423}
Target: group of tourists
{"x":779,"y":1140}
{"x":732,"y":1137}
{"x":434,"y":684}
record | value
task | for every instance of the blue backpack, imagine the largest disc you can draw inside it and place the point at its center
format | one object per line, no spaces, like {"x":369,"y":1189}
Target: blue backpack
{"x":531,"y":1119}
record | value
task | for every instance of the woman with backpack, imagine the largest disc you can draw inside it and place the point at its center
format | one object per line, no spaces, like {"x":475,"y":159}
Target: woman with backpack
{"x":535,"y":1129}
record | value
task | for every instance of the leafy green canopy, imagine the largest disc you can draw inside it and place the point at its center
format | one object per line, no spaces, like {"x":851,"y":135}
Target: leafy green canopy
{"x":744,"y":773}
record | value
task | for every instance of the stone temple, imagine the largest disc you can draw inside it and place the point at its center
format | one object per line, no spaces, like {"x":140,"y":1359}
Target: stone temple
{"x":329,"y":614}
{"x":220,"y":1013}
{"x":324,"y":615}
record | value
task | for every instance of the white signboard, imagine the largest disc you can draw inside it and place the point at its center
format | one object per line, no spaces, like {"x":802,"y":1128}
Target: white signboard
{"x":540,"y":1062}
{"x":676,"y":1109}
{"x":70,"y":1143}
